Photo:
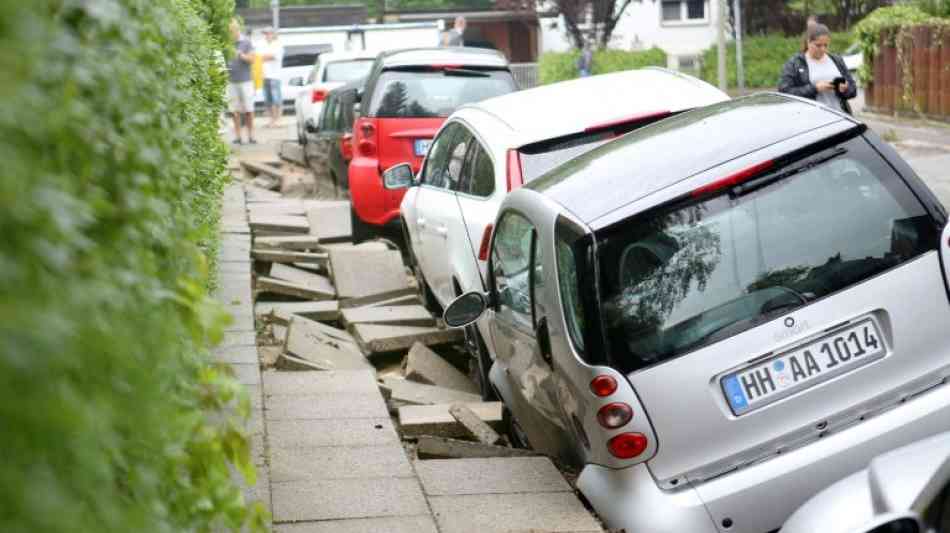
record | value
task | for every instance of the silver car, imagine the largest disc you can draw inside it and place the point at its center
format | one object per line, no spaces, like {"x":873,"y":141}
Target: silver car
{"x":720,"y":314}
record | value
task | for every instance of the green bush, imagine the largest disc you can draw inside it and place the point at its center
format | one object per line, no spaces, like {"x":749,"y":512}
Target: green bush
{"x":763,"y":58}
{"x":560,"y":66}
{"x":893,"y":18}
{"x":113,"y":418}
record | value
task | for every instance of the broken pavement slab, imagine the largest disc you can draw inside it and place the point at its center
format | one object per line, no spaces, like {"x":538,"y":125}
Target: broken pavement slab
{"x":406,"y":296}
{"x":279,"y":223}
{"x":302,"y":277}
{"x":277,"y":286}
{"x":285,"y":256}
{"x":331,"y":222}
{"x":495,"y":475}
{"x":324,"y":346}
{"x":425,"y":366}
{"x":432,"y":447}
{"x":282,"y":312}
{"x":358,"y":272}
{"x":400,"y":315}
{"x":374,"y":338}
{"x":415,"y":420}
{"x":418,"y":394}
{"x":474,"y":425}
{"x":294,"y":242}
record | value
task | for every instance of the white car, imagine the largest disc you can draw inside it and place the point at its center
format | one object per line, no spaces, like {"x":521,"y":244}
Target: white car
{"x":485,"y":150}
{"x":331,"y":70}
{"x":853,"y":57}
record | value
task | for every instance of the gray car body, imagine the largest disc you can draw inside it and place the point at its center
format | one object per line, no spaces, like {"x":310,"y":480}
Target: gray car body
{"x":705,"y":470}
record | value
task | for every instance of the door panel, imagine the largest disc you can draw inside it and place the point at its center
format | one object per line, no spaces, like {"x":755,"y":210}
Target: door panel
{"x":478,"y":207}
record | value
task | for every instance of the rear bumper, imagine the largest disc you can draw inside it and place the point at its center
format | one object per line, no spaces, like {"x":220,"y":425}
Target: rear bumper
{"x":761,"y":497}
{"x":372,"y":203}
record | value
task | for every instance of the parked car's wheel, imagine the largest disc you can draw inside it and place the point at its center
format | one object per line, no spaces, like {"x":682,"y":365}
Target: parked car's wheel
{"x":361,"y":230}
{"x":480,"y":357}
{"x":426,"y":296}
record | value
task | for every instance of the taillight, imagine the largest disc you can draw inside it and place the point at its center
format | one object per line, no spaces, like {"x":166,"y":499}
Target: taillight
{"x":627,"y":445}
{"x":603,"y":385}
{"x":366,"y":144}
{"x":733,"y":179}
{"x":614,"y":415}
{"x":486,"y":240}
{"x":318,"y":95}
{"x":346,"y":146}
{"x":515,"y":177}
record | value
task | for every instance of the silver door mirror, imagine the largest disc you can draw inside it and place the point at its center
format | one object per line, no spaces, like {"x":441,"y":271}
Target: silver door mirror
{"x":465,"y":309}
{"x":310,"y":127}
{"x":908,"y":523}
{"x":398,"y":177}
{"x":297,"y":81}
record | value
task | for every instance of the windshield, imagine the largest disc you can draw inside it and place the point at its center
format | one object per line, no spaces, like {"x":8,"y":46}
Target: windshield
{"x":344,"y":71}
{"x":402,"y":93}
{"x":676,"y":279}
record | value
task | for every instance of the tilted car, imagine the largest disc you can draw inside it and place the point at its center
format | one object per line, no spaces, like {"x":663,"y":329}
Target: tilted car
{"x":408,"y":95}
{"x":486,"y":149}
{"x":331,"y":141}
{"x":719,"y":314}
{"x":329,"y":71}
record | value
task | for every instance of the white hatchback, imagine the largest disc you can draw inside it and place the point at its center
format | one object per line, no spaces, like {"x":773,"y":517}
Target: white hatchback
{"x":331,"y":70}
{"x":485,"y":150}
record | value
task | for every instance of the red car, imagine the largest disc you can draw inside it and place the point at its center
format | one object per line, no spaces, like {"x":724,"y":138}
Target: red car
{"x":407,"y":97}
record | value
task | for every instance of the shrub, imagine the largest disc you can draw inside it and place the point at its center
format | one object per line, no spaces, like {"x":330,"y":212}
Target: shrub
{"x":560,"y":66}
{"x":895,"y":19}
{"x":113,"y":418}
{"x":763,"y":58}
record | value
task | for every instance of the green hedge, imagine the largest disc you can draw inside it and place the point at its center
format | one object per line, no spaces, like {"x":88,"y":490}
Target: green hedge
{"x":763,"y":58}
{"x":560,"y":66}
{"x":113,"y":419}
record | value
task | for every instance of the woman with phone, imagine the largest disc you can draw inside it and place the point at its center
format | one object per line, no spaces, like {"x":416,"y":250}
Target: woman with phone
{"x":818,"y":74}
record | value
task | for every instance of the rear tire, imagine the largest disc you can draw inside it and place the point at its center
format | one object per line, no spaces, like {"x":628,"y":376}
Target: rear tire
{"x":516,"y":435}
{"x":479,"y":351}
{"x":361,"y":230}
{"x":426,"y":296}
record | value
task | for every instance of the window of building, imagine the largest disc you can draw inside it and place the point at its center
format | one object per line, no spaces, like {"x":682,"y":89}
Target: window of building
{"x":684,"y":10}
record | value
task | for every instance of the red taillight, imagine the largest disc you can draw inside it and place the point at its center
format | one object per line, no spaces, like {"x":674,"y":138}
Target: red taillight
{"x":627,"y":445}
{"x":733,"y":179}
{"x":614,"y":415}
{"x":603,"y":385}
{"x":515,"y":177}
{"x":346,"y":146}
{"x":318,"y":95}
{"x":367,"y":129}
{"x":486,"y":239}
{"x":366,"y":144}
{"x":367,"y":148}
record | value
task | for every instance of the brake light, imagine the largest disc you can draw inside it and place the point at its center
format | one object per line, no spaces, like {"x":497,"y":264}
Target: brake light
{"x":614,"y":415}
{"x":318,"y":95}
{"x":486,"y":240}
{"x":366,"y":144}
{"x":515,"y":177}
{"x":627,"y":445}
{"x":643,"y":117}
{"x":603,"y":385}
{"x":346,"y":146}
{"x":733,"y":179}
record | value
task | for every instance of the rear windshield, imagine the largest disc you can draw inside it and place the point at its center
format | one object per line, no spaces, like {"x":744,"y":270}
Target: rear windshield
{"x":435,"y":93}
{"x":299,"y":60}
{"x":680,"y":278}
{"x":344,"y":71}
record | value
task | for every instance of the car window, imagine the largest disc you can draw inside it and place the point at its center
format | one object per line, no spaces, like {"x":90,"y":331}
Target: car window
{"x":478,"y":177}
{"x":457,"y":152}
{"x":445,"y":169}
{"x":344,"y":71}
{"x":313,"y":72}
{"x":680,"y":279}
{"x":436,"y":160}
{"x":427,"y":93}
{"x":511,"y":258}
{"x":569,"y":288}
{"x":327,"y":115}
{"x":337,"y":114}
{"x":299,"y":60}
{"x":537,"y":281}
{"x":346,"y":114}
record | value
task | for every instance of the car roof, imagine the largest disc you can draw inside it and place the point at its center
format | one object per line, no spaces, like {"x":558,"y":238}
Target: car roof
{"x":329,"y":57}
{"x":664,"y":153}
{"x":596,"y":100}
{"x":460,"y":55}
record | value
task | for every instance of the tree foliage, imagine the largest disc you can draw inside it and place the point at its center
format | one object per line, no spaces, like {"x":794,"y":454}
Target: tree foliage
{"x":590,"y":21}
{"x":114,"y":420}
{"x":560,"y":66}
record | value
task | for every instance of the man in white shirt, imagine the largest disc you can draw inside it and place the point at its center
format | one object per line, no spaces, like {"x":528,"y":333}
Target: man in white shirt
{"x":272,"y":55}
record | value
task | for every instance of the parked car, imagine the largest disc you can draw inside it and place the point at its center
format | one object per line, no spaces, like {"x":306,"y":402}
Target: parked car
{"x":486,"y":149}
{"x":330,"y":146}
{"x":297,"y":62}
{"x":853,"y":58}
{"x":719,"y":314}
{"x":329,"y":71}
{"x":408,"y":95}
{"x":906,"y":490}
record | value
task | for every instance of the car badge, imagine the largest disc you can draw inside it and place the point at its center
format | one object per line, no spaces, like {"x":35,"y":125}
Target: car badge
{"x":789,"y":322}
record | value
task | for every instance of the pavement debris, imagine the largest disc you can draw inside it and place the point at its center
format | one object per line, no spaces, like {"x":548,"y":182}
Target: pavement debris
{"x":410,"y":392}
{"x":425,"y":366}
{"x":437,"y":420}
{"x":377,"y":339}
{"x":399,"y":315}
{"x":432,"y":447}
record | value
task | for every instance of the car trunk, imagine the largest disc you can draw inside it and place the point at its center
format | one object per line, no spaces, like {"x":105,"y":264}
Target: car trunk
{"x":398,"y":138}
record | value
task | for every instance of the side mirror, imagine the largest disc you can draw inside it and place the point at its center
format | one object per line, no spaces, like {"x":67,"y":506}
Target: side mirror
{"x":298,"y":81}
{"x":310,"y":127}
{"x":465,"y":309}
{"x":398,"y":177}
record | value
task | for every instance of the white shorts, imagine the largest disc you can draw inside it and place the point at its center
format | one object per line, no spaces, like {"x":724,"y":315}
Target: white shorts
{"x":241,"y":97}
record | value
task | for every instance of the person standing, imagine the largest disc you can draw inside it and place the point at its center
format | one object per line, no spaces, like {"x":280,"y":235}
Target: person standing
{"x":586,"y":61}
{"x":272,"y":53}
{"x":240,"y":86}
{"x":818,"y":74}
{"x":457,"y":33}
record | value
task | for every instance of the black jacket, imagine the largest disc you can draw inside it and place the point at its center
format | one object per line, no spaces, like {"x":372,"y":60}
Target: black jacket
{"x":795,"y":80}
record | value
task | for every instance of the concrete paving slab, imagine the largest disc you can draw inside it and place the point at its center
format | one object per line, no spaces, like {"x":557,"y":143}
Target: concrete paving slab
{"x":347,"y":498}
{"x":281,"y":223}
{"x":474,"y":425}
{"x":237,"y":338}
{"x":393,"y":524}
{"x":331,"y":222}
{"x":407,"y":296}
{"x":324,"y":346}
{"x":353,"y":279}
{"x":430,"y":447}
{"x":288,"y":256}
{"x":282,"y":312}
{"x":236,"y":354}
{"x":296,"y":242}
{"x":277,"y":286}
{"x":419,"y":394}
{"x":241,"y":268}
{"x":489,"y":513}
{"x":247,"y":374}
{"x":375,"y":338}
{"x":291,"y":434}
{"x":302,"y":277}
{"x":436,"y":419}
{"x":329,"y":382}
{"x":241,"y":321}
{"x":339,"y":462}
{"x":398,"y":315}
{"x":425,"y":366}
{"x":325,"y":406}
{"x":496,"y":475}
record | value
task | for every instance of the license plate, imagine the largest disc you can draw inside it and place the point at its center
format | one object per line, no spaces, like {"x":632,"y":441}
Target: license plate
{"x":421,"y":146}
{"x":785,"y":374}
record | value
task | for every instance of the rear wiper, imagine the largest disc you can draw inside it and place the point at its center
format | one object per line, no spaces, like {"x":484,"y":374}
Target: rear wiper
{"x":466,"y":72}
